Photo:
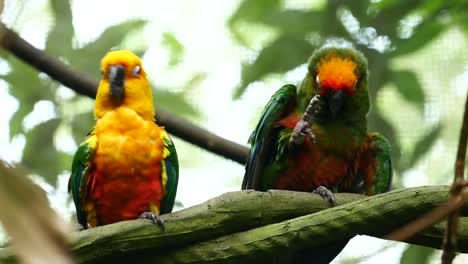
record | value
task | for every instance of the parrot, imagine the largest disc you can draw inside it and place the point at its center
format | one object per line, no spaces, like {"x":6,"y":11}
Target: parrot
{"x":313,"y":138}
{"x":127,"y":166}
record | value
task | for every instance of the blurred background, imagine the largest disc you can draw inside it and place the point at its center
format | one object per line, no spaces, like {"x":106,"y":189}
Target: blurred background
{"x":216,"y":63}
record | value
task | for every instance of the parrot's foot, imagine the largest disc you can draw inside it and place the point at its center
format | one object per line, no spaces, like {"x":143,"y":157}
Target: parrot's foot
{"x":300,"y":131}
{"x":303,"y":127}
{"x":157,"y":220}
{"x":80,"y":227}
{"x":326,"y":194}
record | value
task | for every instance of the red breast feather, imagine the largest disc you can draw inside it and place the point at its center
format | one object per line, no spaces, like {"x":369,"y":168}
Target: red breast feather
{"x":127,"y":174}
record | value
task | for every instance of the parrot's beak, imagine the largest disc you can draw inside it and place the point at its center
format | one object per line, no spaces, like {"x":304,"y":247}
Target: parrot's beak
{"x":116,"y":80}
{"x":336,"y":100}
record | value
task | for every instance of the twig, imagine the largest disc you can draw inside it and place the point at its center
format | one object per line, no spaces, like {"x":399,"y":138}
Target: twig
{"x":450,"y":239}
{"x":84,"y":84}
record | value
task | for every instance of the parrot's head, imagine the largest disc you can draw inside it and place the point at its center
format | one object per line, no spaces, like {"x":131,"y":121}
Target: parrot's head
{"x":123,"y":83}
{"x":339,"y":75}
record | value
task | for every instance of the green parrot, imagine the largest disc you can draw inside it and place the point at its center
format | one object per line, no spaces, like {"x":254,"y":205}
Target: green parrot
{"x":314,"y":138}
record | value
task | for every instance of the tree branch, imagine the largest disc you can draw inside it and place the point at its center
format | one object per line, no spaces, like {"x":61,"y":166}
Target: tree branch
{"x":450,"y":240}
{"x":84,"y":84}
{"x":429,"y":218}
{"x":249,"y":224}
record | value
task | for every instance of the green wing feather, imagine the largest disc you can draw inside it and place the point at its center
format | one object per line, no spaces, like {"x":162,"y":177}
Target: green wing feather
{"x":171,"y":170}
{"x":81,"y":170}
{"x":264,"y":138}
{"x":382,"y":152}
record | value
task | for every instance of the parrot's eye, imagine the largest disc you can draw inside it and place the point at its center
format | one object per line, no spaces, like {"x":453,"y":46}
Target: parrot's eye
{"x":317,"y":81}
{"x":136,"y":71}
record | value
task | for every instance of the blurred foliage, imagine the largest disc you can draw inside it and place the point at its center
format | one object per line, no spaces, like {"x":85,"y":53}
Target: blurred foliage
{"x":73,"y":114}
{"x":176,"y":49}
{"x":38,"y":233}
{"x":416,"y":254}
{"x":385,"y":31}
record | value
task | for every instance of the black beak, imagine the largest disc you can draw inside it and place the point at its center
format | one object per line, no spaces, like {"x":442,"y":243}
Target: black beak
{"x":336,"y":100}
{"x":116,"y":80}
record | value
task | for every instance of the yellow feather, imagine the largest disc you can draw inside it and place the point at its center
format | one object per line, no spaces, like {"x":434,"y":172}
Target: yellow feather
{"x":166,"y":153}
{"x":91,"y":141}
{"x":163,"y":177}
{"x":153,"y":208}
{"x":91,"y":217}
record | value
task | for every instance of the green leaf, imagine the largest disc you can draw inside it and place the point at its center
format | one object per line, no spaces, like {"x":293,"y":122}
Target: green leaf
{"x":386,"y":5}
{"x":385,"y":16}
{"x":409,"y":87}
{"x":195,"y":80}
{"x":362,"y":10}
{"x":16,"y":120}
{"x":174,"y":102}
{"x":423,"y":146}
{"x":284,"y":54}
{"x":25,"y":83}
{"x":423,"y":35}
{"x":28,"y":88}
{"x":251,"y":11}
{"x":294,"y":21}
{"x":59,"y":40}
{"x":88,"y":58}
{"x":416,"y":254}
{"x":254,"y":10}
{"x":175,"y":48}
{"x":81,"y":125}
{"x":40,"y":155}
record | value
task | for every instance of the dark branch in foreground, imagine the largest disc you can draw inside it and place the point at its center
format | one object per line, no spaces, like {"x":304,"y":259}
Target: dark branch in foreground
{"x":84,"y":84}
{"x":246,"y":225}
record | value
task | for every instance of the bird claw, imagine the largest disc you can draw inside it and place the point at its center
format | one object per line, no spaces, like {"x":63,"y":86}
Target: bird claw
{"x":303,"y":127}
{"x":299,"y":133}
{"x":80,"y":227}
{"x":326,"y":194}
{"x":311,"y":134}
{"x":156,"y":219}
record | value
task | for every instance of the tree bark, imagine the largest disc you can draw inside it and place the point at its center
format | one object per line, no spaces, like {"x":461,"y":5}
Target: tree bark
{"x":247,"y":225}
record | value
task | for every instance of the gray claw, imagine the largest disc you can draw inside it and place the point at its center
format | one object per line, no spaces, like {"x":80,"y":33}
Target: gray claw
{"x":302,"y":128}
{"x":297,"y":136}
{"x":300,"y":131}
{"x":326,"y":194}
{"x":310,"y":134}
{"x":156,"y":219}
{"x":80,"y":227}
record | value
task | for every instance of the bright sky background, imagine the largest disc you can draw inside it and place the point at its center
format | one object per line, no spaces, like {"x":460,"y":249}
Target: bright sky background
{"x":209,"y":48}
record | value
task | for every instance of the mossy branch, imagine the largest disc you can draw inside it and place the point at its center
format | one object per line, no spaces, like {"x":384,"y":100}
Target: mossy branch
{"x":248,"y":224}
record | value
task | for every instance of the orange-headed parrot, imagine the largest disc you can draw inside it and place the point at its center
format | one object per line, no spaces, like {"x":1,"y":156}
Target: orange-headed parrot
{"x":314,"y":138}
